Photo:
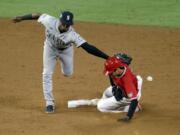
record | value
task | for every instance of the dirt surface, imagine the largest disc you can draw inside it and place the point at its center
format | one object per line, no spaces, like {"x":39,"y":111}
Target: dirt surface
{"x":155,"y":52}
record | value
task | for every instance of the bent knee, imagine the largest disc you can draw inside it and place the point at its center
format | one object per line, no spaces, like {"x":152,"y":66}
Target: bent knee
{"x":101,"y":106}
{"x":68,"y":74}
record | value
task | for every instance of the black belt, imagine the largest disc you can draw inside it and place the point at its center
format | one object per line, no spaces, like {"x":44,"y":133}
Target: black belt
{"x":62,"y":49}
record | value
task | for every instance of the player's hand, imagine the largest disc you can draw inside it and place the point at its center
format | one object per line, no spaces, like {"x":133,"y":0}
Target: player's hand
{"x":125,"y":119}
{"x":17,"y":19}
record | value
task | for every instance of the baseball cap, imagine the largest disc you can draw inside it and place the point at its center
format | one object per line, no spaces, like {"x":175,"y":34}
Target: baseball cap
{"x":66,"y":17}
{"x":111,"y":64}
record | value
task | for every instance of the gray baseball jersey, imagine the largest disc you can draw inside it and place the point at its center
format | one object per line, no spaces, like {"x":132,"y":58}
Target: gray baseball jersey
{"x":57,"y":45}
{"x":56,"y":39}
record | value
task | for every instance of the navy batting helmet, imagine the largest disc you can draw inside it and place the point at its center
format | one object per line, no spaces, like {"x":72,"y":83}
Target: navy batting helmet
{"x":66,"y":17}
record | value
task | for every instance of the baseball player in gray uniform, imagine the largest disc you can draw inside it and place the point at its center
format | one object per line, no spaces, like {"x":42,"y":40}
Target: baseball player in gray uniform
{"x":60,"y":38}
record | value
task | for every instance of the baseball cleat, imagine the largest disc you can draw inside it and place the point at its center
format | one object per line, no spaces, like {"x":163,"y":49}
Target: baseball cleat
{"x":50,"y":109}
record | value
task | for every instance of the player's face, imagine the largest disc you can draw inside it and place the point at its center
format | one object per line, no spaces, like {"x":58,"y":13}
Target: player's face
{"x":63,"y":27}
{"x":118,"y":72}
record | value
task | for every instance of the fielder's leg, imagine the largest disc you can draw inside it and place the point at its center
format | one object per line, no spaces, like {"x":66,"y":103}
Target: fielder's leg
{"x":49,"y":62}
{"x":66,"y":58}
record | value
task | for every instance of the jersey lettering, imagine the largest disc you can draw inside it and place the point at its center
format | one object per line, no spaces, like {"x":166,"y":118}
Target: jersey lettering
{"x":68,"y":17}
{"x":56,"y":41}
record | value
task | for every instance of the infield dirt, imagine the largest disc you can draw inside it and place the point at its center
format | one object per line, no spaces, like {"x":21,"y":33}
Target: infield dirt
{"x":155,"y":52}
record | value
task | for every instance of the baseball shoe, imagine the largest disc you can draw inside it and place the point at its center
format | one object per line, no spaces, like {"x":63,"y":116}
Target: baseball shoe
{"x":50,"y":109}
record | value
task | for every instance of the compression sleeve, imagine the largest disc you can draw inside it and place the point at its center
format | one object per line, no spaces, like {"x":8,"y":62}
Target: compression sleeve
{"x":93,"y":50}
{"x":111,"y":81}
{"x":31,"y":16}
{"x":132,"y":108}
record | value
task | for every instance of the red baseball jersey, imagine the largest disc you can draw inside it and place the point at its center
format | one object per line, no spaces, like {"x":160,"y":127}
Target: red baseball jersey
{"x":128,"y":82}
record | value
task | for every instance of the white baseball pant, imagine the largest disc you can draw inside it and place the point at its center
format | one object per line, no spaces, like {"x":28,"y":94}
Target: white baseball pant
{"x":108,"y":103}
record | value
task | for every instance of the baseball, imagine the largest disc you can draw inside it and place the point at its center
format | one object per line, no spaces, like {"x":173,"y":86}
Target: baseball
{"x":149,"y":78}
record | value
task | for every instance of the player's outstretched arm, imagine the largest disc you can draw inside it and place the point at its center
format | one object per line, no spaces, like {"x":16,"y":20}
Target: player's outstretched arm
{"x":33,"y":16}
{"x":94,"y":51}
{"x":131,"y":111}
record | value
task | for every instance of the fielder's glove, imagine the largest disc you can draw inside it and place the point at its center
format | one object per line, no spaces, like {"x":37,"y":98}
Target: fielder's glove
{"x":124,"y":57}
{"x":17,"y":19}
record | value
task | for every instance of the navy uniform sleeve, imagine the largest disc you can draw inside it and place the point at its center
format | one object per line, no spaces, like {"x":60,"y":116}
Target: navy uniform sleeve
{"x":132,"y":108}
{"x":94,"y":51}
